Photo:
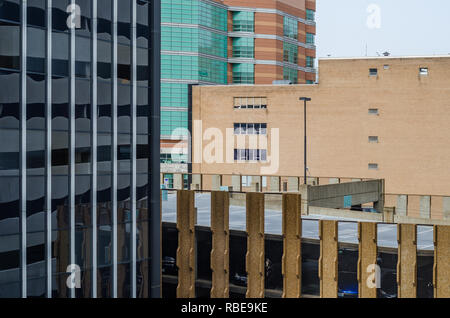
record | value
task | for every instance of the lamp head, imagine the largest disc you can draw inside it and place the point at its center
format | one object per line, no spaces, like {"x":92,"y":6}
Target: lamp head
{"x":305,"y":99}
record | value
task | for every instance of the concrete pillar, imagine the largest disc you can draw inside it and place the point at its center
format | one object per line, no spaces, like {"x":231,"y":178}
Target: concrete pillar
{"x":216,"y":182}
{"x":304,"y":193}
{"x":292,"y":234}
{"x":178,"y":181}
{"x":328,"y":261}
{"x":367,"y":258}
{"x":274,"y":184}
{"x":293,"y":184}
{"x":236,"y":183}
{"x":402,"y":205}
{"x":446,"y":207}
{"x":441,"y":264}
{"x":407,"y":261}
{"x":186,"y":254}
{"x":255,"y":258}
{"x":220,"y":262}
{"x":425,"y":207}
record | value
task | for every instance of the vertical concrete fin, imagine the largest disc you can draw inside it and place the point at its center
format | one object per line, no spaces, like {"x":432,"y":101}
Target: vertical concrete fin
{"x":407,"y":260}
{"x":292,"y":234}
{"x":186,"y":244}
{"x":220,"y":244}
{"x":367,"y":260}
{"x":328,"y":261}
{"x":441,"y":272}
{"x":255,"y":245}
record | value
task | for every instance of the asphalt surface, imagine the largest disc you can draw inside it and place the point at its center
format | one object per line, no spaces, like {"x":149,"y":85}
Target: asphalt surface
{"x":347,"y":228}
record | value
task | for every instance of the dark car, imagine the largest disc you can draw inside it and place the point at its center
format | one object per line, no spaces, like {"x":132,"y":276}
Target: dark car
{"x":348,"y":285}
{"x":239,"y":279}
{"x":169,"y":265}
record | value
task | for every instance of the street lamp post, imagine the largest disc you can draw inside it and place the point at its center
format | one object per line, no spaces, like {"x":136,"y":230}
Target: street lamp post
{"x":305,"y":99}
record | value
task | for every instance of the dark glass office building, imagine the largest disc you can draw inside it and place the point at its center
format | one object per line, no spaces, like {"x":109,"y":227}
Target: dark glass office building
{"x":79,"y":148}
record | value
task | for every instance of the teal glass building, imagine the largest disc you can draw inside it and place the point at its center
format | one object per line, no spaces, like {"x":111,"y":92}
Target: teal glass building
{"x":215,"y":42}
{"x":193,"y":51}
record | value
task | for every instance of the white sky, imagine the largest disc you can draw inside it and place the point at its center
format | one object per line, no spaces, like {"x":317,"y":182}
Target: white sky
{"x":407,"y":27}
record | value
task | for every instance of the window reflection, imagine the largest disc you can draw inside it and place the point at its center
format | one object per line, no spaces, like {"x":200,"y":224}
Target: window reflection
{"x":124,"y":64}
{"x":9,"y":103}
{"x":82,"y":105}
{"x":9,"y":151}
{"x":84,"y":28}
{"x":60,"y":103}
{"x":60,"y":54}
{"x":124,"y":108}
{"x":104,"y":60}
{"x":35,"y":50}
{"x":9,"y":50}
{"x":36,"y":148}
{"x":104,"y":19}
{"x":10,"y":10}
{"x":142,"y":23}
{"x":36,"y":12}
{"x":35,"y":105}
{"x":123,"y":21}
{"x":59,"y":15}
{"x":82,"y":57}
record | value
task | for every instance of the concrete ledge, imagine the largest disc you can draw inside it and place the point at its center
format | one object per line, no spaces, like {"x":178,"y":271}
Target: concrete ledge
{"x":420,"y":221}
{"x":365,"y":216}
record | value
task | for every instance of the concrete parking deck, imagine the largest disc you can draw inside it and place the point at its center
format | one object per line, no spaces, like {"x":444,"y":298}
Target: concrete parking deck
{"x":347,"y":230}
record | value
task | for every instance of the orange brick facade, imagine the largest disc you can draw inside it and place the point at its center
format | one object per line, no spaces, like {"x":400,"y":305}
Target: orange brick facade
{"x":272,"y":49}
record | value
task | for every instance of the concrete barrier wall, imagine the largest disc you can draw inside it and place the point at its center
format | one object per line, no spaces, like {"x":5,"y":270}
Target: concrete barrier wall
{"x":345,"y":195}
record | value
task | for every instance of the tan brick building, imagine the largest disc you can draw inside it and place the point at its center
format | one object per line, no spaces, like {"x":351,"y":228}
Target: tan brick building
{"x":369,"y":118}
{"x":210,"y":42}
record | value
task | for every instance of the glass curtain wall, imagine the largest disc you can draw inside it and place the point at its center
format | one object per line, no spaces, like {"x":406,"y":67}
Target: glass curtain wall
{"x":194,"y":50}
{"x":74,"y":111}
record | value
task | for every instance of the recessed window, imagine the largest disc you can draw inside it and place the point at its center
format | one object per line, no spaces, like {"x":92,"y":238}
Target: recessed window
{"x":423,"y":71}
{"x":373,"y":166}
{"x":250,"y":103}
{"x":373,"y":72}
{"x":250,"y":154}
{"x":310,"y":14}
{"x":373,"y":139}
{"x":373,"y":111}
{"x":250,"y":129}
{"x":386,"y":67}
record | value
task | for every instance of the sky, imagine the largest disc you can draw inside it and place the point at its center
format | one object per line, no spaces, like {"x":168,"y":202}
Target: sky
{"x":345,"y":28}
